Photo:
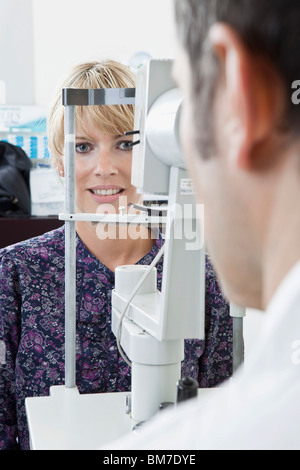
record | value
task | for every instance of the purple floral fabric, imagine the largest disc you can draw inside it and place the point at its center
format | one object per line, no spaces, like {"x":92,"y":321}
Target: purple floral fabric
{"x":32,"y":330}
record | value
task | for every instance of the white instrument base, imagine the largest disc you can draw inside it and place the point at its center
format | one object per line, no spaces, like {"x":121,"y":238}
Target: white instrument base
{"x":67,"y":420}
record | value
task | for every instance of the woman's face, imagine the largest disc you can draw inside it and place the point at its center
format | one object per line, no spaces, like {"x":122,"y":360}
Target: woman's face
{"x":103,"y":171}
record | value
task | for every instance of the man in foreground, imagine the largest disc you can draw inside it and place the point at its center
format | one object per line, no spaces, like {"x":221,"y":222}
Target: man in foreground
{"x":236,"y":63}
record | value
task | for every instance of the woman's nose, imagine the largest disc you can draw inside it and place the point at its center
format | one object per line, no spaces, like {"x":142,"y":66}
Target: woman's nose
{"x":104,"y":164}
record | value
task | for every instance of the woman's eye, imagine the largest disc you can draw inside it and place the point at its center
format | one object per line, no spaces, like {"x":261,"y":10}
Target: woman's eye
{"x":125,"y":145}
{"x":82,"y":148}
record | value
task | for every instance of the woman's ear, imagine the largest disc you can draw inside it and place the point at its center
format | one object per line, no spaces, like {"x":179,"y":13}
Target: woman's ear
{"x":248,"y":91}
{"x":60,"y":169}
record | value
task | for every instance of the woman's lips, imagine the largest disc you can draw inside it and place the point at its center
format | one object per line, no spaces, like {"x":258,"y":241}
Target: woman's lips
{"x":106,"y":194}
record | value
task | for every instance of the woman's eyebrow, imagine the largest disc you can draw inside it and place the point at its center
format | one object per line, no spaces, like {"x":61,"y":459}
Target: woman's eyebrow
{"x":82,"y":137}
{"x":121,"y":136}
{"x":114,"y":137}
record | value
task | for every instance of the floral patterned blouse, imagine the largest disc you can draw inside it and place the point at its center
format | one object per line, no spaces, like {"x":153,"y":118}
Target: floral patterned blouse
{"x":32,"y":330}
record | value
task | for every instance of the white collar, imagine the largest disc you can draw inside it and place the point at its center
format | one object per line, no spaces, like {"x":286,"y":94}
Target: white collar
{"x":288,"y":289}
{"x":280,"y":327}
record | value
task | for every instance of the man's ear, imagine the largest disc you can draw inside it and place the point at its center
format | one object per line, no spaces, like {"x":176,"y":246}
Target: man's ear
{"x":249,"y":90}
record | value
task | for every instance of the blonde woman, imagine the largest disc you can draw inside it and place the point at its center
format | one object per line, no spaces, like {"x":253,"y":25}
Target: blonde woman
{"x":32,"y":272}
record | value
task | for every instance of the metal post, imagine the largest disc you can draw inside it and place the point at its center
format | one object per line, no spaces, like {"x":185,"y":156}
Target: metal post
{"x":238,"y":343}
{"x":72,"y":97}
{"x":237,"y":314}
{"x":70,"y":250}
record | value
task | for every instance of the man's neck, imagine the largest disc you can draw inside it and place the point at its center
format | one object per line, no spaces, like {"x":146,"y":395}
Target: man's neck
{"x":282,"y":247}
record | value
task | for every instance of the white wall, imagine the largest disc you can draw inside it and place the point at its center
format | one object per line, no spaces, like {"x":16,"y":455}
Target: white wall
{"x":16,"y":51}
{"x":67,"y":32}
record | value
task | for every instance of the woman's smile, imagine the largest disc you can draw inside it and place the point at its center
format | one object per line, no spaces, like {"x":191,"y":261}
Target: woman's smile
{"x":106,"y":194}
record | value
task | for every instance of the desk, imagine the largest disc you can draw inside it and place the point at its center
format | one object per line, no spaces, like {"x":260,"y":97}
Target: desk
{"x":15,"y":230}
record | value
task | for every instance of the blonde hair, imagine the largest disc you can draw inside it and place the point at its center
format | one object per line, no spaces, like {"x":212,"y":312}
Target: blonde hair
{"x":113,"y":120}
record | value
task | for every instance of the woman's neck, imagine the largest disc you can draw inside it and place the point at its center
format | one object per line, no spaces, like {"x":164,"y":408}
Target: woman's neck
{"x":115,"y":246}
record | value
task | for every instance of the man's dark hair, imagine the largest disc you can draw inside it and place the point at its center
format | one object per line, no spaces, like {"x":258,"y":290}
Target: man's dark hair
{"x":269,"y":28}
